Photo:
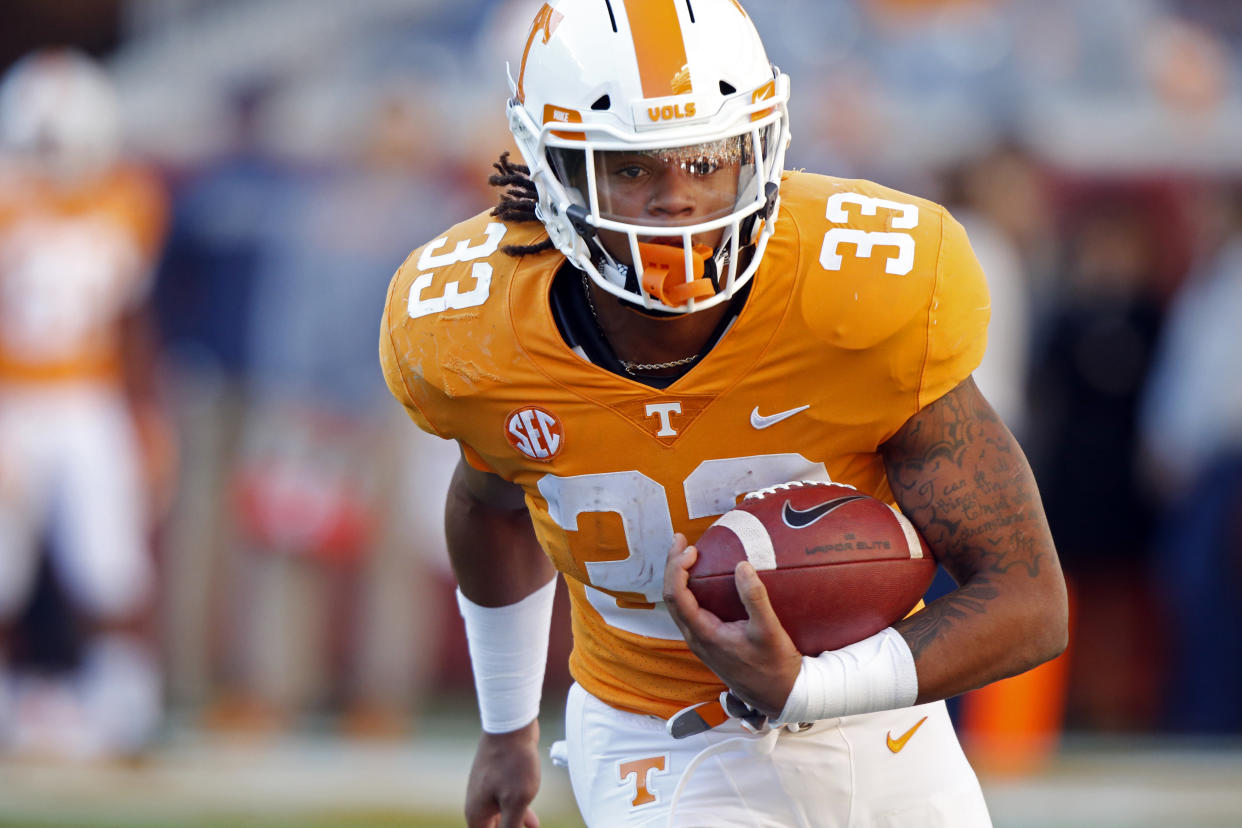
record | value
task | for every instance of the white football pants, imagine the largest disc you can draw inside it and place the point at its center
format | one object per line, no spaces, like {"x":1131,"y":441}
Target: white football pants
{"x":70,"y":467}
{"x":895,"y":769}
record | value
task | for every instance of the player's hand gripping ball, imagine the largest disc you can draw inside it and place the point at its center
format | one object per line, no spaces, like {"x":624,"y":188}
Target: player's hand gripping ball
{"x":838,"y":565}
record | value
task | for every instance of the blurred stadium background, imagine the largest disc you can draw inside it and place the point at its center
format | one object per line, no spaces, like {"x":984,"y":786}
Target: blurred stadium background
{"x":312,"y":664}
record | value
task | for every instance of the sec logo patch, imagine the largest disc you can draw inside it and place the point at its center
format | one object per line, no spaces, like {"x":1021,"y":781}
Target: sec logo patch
{"x":535,"y":432}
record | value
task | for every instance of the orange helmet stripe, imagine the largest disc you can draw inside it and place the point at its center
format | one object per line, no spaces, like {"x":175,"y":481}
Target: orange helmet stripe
{"x":547,"y":19}
{"x":659,"y":47}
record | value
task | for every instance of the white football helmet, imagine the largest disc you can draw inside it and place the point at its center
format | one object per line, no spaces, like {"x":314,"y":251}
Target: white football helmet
{"x":59,"y":112}
{"x":683,"y":85}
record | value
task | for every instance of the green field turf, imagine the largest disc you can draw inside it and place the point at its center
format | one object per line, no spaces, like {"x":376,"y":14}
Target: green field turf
{"x":316,"y":780}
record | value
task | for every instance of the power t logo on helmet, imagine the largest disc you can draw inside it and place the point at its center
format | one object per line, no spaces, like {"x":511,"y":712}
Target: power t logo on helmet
{"x":665,"y":189}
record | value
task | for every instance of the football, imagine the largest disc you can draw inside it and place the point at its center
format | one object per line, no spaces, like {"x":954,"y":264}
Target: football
{"x":838,"y":565}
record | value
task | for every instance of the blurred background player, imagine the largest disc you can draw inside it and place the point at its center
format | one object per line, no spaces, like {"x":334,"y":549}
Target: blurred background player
{"x":84,"y":454}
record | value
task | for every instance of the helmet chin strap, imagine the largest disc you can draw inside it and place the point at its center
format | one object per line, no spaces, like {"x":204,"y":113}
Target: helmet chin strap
{"x":614,"y":271}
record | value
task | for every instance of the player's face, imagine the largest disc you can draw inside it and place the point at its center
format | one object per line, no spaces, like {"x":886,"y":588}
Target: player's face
{"x":671,"y":188}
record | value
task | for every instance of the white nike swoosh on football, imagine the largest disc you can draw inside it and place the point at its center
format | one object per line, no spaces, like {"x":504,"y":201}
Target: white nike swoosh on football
{"x":759,"y":421}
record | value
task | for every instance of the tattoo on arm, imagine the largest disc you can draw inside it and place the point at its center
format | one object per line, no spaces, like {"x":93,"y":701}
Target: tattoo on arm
{"x":963,"y":481}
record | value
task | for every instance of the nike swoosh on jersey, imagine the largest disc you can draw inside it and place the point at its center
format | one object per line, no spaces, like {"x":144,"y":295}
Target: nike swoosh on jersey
{"x":759,"y":421}
{"x":801,"y":518}
{"x":895,"y":745}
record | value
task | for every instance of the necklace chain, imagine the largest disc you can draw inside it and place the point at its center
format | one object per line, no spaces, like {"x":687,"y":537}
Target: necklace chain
{"x":632,"y":367}
{"x":656,"y":366}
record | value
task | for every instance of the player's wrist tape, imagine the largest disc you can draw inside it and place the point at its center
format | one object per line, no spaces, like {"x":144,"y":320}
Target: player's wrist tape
{"x":508,"y":653}
{"x":874,"y":674}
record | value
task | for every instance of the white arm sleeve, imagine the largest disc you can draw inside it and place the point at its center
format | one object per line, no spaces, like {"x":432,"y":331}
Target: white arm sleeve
{"x":508,"y":653}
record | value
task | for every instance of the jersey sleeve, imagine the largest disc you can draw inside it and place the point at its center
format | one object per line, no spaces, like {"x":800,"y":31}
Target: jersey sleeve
{"x":391,"y":364}
{"x":147,"y":212}
{"x":143,"y":209}
{"x":446,"y":345}
{"x":957,"y":317}
{"x":397,"y":385}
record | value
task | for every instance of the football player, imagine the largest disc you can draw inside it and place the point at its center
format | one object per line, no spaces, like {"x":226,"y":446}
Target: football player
{"x":656,"y":320}
{"x":80,"y":229}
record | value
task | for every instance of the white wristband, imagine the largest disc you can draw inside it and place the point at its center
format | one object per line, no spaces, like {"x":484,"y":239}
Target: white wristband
{"x":874,"y":674}
{"x":508,"y":653}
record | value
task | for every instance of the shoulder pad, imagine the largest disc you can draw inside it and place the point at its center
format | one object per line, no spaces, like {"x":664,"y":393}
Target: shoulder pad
{"x":446,"y":326}
{"x":869,"y":256}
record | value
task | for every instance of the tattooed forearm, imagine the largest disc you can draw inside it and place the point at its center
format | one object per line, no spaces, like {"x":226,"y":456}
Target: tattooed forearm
{"x":922,"y":629}
{"x":958,"y":474}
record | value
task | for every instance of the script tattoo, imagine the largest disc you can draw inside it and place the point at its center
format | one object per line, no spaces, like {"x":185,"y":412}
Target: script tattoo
{"x":961,"y":478}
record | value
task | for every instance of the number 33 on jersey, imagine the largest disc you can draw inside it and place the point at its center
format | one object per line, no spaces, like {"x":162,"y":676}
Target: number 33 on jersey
{"x":868,"y":305}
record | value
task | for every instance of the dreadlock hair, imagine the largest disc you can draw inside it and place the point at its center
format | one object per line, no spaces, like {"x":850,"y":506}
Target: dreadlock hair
{"x":517,"y":202}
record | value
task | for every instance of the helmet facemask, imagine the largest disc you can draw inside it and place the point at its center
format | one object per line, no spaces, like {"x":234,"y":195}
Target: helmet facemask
{"x":660,"y":214}
{"x":628,"y":205}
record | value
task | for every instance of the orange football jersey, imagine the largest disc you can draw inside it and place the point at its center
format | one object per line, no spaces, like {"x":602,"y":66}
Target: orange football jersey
{"x":72,"y":259}
{"x":868,"y":305}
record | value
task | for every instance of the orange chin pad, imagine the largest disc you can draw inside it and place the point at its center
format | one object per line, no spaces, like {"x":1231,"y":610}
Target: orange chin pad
{"x":664,"y":273}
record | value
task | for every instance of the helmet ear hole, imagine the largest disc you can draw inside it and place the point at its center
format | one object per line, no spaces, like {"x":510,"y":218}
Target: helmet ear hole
{"x":726,"y":88}
{"x":602,"y":103}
